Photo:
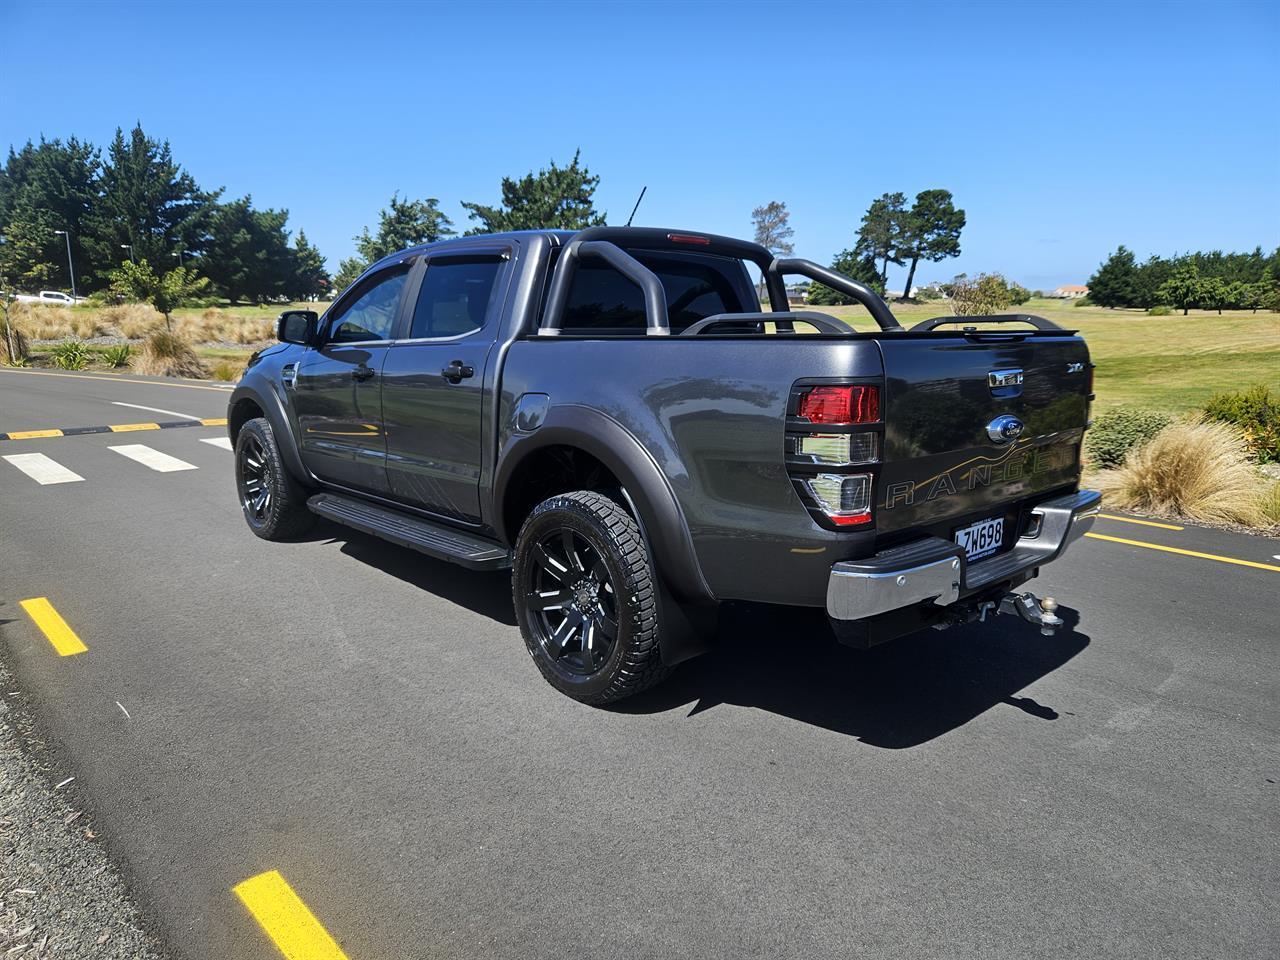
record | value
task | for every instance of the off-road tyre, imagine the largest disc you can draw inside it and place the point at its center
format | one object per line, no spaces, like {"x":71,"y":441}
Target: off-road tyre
{"x":604,"y":535}
{"x":282,"y":514}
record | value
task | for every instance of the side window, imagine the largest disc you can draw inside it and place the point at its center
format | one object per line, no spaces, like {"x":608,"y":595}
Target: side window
{"x":372,"y":314}
{"x":454,"y":297}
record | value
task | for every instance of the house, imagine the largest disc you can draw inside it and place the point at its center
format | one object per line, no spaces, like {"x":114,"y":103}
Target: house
{"x":1070,"y":292}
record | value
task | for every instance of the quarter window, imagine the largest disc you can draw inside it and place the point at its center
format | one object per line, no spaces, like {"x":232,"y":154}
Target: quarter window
{"x":454,"y":297}
{"x":372,"y":314}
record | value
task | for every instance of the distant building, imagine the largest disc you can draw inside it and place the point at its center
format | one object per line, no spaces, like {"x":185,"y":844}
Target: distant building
{"x":1070,"y":292}
{"x":798,"y":295}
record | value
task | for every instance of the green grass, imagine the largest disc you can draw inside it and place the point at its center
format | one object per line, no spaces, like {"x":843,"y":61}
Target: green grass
{"x":1171,"y":363}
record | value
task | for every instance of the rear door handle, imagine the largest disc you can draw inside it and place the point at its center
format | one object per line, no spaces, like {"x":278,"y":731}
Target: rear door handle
{"x":362,"y":372}
{"x":458,"y":371}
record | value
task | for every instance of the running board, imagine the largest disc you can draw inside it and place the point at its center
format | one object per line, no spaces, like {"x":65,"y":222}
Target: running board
{"x":433,"y":539}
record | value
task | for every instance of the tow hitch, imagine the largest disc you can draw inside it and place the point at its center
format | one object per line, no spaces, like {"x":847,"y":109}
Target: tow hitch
{"x":1043,"y":613}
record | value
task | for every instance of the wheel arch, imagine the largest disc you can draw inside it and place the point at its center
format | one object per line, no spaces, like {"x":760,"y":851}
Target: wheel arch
{"x":246,"y":403}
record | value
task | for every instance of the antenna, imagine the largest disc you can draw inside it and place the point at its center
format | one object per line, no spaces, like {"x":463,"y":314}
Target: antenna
{"x":637,"y":206}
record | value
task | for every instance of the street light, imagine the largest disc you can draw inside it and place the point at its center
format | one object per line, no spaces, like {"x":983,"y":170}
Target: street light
{"x":129,"y":247}
{"x":70,"y":269}
{"x":178,"y":254}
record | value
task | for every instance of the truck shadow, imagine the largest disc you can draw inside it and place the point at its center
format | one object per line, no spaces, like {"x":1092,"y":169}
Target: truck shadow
{"x":899,"y":695}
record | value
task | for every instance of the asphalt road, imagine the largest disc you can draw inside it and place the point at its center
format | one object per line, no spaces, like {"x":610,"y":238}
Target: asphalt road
{"x":366,"y":721}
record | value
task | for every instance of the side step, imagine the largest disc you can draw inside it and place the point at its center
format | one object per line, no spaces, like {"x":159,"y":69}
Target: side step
{"x":433,"y":539}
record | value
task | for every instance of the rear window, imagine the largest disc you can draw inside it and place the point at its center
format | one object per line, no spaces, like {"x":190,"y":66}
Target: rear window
{"x":603,"y":300}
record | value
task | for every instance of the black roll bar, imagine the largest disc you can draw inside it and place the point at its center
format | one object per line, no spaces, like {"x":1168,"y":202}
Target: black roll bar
{"x":655,"y":297}
{"x":819,"y":321}
{"x":878,"y":309}
{"x":1040,"y":323}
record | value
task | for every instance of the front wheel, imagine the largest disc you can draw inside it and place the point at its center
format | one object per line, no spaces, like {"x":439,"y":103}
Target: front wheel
{"x":274,"y":504}
{"x":585,"y":598}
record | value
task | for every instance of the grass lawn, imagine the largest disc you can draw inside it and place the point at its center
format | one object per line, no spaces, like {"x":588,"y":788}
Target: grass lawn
{"x":1170,"y":363}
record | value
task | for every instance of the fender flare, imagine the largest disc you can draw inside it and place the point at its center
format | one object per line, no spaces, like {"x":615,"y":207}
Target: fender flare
{"x":272,"y":408}
{"x":662,"y":522}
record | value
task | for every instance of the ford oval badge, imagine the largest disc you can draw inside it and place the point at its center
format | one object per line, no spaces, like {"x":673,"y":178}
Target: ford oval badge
{"x":1005,"y":429}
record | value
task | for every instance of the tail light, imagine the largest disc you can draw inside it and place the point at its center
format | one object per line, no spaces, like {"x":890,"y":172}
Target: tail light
{"x":844,"y":498}
{"x":840,"y":405}
{"x":833,"y":450}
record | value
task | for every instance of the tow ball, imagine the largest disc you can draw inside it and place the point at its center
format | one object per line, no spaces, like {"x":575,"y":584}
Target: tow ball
{"x":1043,"y":613}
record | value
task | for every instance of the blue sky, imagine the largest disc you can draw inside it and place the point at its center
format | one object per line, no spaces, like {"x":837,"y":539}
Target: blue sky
{"x":1063,"y":129}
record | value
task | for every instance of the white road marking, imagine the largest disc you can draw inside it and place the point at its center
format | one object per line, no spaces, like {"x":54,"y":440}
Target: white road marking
{"x":160,"y":462}
{"x":41,"y":469}
{"x":138,"y":406}
{"x":223,"y":442}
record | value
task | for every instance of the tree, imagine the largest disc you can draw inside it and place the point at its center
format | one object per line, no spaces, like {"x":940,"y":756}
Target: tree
{"x":1147,"y":281}
{"x":553,"y":198}
{"x":1115,"y":282}
{"x":139,"y":283}
{"x":401,"y":224}
{"x":978,"y":296}
{"x":863,"y":269}
{"x":148,"y":202}
{"x":247,"y":252}
{"x":773,"y":230}
{"x":880,"y":235}
{"x":1018,"y":294}
{"x":1182,"y":289}
{"x":930,"y":231}
{"x":44,"y":189}
{"x":309,"y":278}
{"x":349,"y":271}
{"x":1214,"y":293}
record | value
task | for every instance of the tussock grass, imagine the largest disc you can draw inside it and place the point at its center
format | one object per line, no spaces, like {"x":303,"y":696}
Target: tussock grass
{"x":1269,"y":504}
{"x":20,"y":348}
{"x":168,"y":355}
{"x":41,"y":322}
{"x":1196,"y":470}
{"x":228,"y":370}
{"x":133,"y":321}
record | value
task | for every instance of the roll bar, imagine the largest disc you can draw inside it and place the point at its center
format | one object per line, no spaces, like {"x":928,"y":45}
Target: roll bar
{"x":1040,"y":323}
{"x":655,"y":297}
{"x":878,"y":309}
{"x":819,"y":321}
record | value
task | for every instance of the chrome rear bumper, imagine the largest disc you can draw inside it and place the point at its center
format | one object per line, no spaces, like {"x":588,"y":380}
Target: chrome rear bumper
{"x":935,"y":570}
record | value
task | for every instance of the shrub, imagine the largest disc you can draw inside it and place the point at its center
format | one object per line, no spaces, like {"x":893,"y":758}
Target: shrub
{"x":1160,"y":310}
{"x":1082,"y":302}
{"x":1255,"y":412}
{"x":168,"y":355}
{"x":1196,"y":470}
{"x":117,"y":356}
{"x":228,"y":370}
{"x":71,"y":355}
{"x":1116,"y":432}
{"x":18,"y":358}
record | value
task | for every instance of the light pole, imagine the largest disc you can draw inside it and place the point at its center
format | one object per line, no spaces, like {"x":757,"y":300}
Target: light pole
{"x":70,"y":269}
{"x":178,"y":254}
{"x":129,"y":247}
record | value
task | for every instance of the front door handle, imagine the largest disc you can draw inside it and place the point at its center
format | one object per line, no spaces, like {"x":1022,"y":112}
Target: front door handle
{"x":362,"y":373}
{"x":458,"y":371}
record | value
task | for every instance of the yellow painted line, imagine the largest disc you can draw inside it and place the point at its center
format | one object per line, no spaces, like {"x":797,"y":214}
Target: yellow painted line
{"x":808,"y":549}
{"x":1145,"y":523}
{"x":112,"y":378}
{"x":52,"y":625}
{"x":131,"y":427}
{"x":1186,"y":553}
{"x":215,"y":422}
{"x":285,"y":918}
{"x":33,"y":434}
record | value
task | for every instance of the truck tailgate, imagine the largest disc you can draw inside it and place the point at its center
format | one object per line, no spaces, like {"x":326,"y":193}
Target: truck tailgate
{"x":943,"y":394}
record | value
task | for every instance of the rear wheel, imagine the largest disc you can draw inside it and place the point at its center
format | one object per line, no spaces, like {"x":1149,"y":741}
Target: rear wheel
{"x":585,"y":598}
{"x":274,"y":504}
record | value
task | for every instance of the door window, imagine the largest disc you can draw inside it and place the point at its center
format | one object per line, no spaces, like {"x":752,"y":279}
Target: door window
{"x":454,"y":297}
{"x":372,"y":314}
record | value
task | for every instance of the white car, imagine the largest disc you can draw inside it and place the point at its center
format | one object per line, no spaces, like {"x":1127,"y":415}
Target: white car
{"x":55,"y":297}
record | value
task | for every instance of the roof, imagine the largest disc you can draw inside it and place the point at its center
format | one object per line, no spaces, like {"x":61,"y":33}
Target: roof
{"x":1074,"y":288}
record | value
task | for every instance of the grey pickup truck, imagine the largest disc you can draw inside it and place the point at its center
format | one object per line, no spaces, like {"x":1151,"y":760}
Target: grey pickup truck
{"x":612,"y":415}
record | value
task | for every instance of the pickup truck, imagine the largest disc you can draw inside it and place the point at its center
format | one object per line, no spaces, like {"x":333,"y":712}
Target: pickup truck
{"x":53,"y":297}
{"x":613,"y":416}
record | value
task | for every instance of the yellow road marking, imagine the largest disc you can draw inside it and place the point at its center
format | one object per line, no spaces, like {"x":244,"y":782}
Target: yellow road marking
{"x":33,"y":434}
{"x":285,"y":918}
{"x":1186,"y":553}
{"x":52,"y":625}
{"x":1145,"y":523}
{"x":215,"y":422}
{"x":113,"y":378}
{"x":130,"y":427}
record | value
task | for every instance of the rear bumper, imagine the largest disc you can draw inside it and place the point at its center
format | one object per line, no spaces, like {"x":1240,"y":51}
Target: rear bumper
{"x":935,"y":570}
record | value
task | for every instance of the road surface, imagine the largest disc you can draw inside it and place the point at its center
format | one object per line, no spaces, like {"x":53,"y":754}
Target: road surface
{"x":366,"y":722}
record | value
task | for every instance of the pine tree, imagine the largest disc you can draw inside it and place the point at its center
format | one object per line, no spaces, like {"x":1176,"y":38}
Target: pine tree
{"x":881,"y":234}
{"x":930,"y":231}
{"x":1115,"y":284}
{"x":553,"y":198}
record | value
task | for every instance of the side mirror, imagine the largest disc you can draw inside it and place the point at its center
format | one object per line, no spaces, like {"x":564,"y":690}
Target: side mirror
{"x":297,"y":326}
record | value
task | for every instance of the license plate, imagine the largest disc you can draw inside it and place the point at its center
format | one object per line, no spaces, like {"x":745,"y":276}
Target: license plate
{"x":982,"y":538}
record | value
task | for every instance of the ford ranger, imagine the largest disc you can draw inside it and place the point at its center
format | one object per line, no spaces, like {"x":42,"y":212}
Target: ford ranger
{"x":613,"y":415}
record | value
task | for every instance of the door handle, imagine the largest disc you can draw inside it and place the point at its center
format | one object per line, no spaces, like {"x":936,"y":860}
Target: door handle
{"x":458,"y":371}
{"x":362,"y":372}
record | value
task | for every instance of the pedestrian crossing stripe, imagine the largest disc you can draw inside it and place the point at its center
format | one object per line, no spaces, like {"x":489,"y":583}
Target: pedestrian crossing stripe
{"x":111,"y":428}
